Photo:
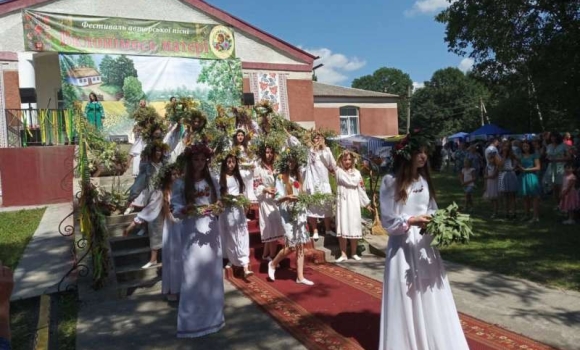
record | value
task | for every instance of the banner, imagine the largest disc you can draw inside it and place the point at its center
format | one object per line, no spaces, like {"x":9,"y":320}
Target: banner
{"x":121,"y":81}
{"x":45,"y":31}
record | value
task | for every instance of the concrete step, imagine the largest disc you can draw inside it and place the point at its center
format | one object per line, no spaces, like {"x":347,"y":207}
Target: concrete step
{"x":120,"y":219}
{"x":131,"y":256}
{"x":150,"y":286}
{"x":133,"y":241}
{"x":134,"y":272}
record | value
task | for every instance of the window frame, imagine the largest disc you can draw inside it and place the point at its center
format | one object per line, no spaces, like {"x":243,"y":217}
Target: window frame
{"x":348,"y":117}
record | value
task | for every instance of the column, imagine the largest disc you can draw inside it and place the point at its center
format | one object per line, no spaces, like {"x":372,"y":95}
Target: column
{"x":27,"y":79}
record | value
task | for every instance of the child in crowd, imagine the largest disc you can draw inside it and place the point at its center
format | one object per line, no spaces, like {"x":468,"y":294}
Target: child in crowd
{"x":233,"y":224}
{"x":529,"y":182}
{"x":508,"y":181}
{"x":569,"y":201}
{"x":289,"y":184}
{"x":491,"y":192}
{"x":467,"y":178}
{"x":351,"y":195}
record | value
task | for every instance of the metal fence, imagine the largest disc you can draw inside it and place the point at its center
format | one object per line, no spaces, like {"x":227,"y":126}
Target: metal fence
{"x":40,"y":127}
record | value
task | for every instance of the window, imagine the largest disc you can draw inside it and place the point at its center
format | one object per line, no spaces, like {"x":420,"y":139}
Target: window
{"x":349,"y":120}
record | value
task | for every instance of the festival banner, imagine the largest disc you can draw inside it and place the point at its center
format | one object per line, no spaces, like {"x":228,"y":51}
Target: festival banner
{"x":121,"y":81}
{"x":69,"y":33}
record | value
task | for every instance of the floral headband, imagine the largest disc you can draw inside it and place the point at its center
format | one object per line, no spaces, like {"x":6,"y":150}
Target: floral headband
{"x":297,"y":153}
{"x":198,"y":148}
{"x":413,"y":142}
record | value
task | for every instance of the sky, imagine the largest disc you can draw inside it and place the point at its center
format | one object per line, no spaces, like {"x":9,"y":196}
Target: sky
{"x":355,"y":38}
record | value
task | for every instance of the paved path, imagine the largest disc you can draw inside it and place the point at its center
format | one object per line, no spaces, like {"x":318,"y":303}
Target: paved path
{"x":47,"y":257}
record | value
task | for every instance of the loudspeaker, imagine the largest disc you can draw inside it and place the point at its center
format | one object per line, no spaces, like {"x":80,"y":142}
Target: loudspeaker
{"x":248,"y":99}
{"x":27,"y":95}
{"x":119,"y":138}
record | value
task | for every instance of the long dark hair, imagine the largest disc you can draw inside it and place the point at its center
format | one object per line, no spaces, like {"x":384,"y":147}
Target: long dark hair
{"x":291,"y":172}
{"x":95,"y":95}
{"x":237,"y":175}
{"x":531,"y":150}
{"x":235,"y":139}
{"x":403,"y":172}
{"x":189,"y":180}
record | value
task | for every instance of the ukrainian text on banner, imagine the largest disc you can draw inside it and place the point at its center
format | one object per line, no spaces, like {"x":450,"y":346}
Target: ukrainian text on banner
{"x":68,"y":33}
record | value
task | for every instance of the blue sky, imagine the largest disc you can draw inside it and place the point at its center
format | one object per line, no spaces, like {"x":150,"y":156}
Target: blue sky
{"x":354,"y":38}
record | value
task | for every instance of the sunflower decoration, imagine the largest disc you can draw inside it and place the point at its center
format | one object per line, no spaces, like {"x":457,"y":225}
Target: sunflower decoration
{"x":298,"y":153}
{"x":151,"y":146}
{"x":164,"y":175}
{"x":413,"y":142}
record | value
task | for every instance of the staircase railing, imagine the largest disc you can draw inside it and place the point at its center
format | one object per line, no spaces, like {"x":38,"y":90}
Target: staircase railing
{"x":40,"y":127}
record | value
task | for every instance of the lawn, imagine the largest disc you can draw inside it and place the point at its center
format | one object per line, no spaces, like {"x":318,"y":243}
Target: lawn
{"x":16,"y":230}
{"x":547,"y":252}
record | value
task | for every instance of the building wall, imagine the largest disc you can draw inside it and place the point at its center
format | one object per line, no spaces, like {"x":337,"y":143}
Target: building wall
{"x":48,"y":80}
{"x":248,"y":48}
{"x":11,"y":90}
{"x":373,"y":121}
{"x":300,"y":100}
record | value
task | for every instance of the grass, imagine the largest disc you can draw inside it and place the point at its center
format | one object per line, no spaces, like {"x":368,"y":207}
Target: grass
{"x":546,"y":252}
{"x":110,"y":89}
{"x":23,"y":322}
{"x":67,"y":320}
{"x":16,"y":230}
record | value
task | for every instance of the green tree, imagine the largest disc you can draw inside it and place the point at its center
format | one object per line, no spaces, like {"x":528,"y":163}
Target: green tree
{"x":69,"y":94}
{"x":86,"y":61}
{"x":133,"y":92}
{"x":448,"y":103}
{"x":122,"y":68}
{"x":106,"y":67}
{"x":531,"y":42}
{"x":224,"y":78}
{"x":392,"y":81}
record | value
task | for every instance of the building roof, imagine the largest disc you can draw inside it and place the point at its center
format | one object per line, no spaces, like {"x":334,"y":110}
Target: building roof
{"x":208,"y":9}
{"x":325,"y":90}
{"x":83,"y":72}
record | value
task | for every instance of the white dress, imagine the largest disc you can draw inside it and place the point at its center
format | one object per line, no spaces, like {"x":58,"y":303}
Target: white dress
{"x":350,"y":197}
{"x":234,"y":229}
{"x":491,"y":185}
{"x":247,"y":166}
{"x":143,"y":186}
{"x":173,"y":136}
{"x":295,"y":232}
{"x":135,"y":151}
{"x":172,"y":271}
{"x":316,"y":179}
{"x":271,"y":227}
{"x":152,"y":214}
{"x":201,"y":302}
{"x":418,"y":310}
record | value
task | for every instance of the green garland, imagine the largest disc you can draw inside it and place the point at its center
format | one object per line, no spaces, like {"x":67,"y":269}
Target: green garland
{"x":312,"y":200}
{"x":449,"y":226}
{"x":205,"y":210}
{"x":298,"y":153}
{"x":235,"y":201}
{"x":413,"y":142}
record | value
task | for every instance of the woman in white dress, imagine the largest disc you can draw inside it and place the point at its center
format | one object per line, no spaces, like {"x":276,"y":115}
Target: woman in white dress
{"x":172,"y":272}
{"x":350,"y":197}
{"x":201,"y":301}
{"x":418,"y":310}
{"x":271,"y":228}
{"x":288,"y":186}
{"x":320,"y":163}
{"x":233,"y":223}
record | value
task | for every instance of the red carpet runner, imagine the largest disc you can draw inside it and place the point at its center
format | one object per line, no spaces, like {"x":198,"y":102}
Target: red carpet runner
{"x":342,"y":310}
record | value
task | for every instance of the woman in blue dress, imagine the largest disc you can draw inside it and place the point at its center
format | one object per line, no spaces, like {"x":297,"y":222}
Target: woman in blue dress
{"x":530,"y":188}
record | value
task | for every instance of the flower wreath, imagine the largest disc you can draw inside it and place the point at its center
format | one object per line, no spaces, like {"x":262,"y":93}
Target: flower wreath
{"x":148,"y":151}
{"x":190,"y":115}
{"x":275,"y":141}
{"x":164,"y":175}
{"x":149,"y":129}
{"x":298,"y":153}
{"x":413,"y":142}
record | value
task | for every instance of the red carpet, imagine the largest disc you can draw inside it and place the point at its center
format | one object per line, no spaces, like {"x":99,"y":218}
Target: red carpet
{"x":342,"y":310}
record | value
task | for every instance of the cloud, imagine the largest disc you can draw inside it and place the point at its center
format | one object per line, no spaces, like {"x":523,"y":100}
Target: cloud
{"x":421,"y":7}
{"x":466,"y":65}
{"x":336,"y":65}
{"x":417,"y":85}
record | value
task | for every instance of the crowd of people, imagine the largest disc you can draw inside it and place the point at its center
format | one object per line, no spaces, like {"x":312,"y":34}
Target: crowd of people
{"x":195,"y":181}
{"x":513,"y":171}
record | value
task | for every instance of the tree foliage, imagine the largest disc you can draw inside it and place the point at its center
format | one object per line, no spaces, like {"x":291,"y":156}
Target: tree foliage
{"x":107,"y":67}
{"x":86,"y":61}
{"x":530,"y":44}
{"x":225,"y":82}
{"x":133,"y":92}
{"x":392,"y":81}
{"x":114,"y":71}
{"x":448,"y":103}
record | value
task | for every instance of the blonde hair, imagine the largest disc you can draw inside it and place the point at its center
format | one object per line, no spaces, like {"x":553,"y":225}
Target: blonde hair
{"x":354,"y":156}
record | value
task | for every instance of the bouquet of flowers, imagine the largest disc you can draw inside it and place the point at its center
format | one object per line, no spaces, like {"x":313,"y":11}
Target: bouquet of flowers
{"x":235,"y":201}
{"x":205,"y":210}
{"x":316,"y":199}
{"x":449,"y":226}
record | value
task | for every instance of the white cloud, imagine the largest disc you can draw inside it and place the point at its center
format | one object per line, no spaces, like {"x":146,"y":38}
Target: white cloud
{"x":466,"y":65}
{"x":417,"y":85}
{"x":336,"y":65}
{"x":421,"y":7}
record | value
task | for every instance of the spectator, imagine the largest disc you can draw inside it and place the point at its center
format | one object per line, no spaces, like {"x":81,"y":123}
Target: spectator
{"x":491,"y":149}
{"x":568,"y":139}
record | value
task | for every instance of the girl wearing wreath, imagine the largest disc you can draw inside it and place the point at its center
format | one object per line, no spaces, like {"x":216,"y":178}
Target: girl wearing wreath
{"x":288,"y":186}
{"x":264,"y":187}
{"x":418,"y":311}
{"x":246,"y":164}
{"x":195,"y":123}
{"x":233,"y":223}
{"x":320,"y":164}
{"x":157,"y":214}
{"x":351,"y":196}
{"x":201,"y":301}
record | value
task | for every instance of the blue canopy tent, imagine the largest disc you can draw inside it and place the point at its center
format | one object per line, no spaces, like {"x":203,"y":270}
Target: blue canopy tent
{"x":459,"y":135}
{"x":489,"y":129}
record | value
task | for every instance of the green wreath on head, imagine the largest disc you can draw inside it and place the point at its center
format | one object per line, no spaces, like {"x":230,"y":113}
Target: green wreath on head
{"x":412,"y":143}
{"x":148,"y":150}
{"x":164,"y":175}
{"x":298,"y":153}
{"x":175,"y":112}
{"x":275,"y":141}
